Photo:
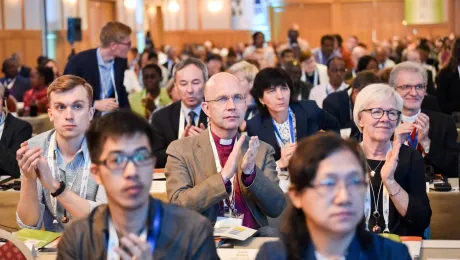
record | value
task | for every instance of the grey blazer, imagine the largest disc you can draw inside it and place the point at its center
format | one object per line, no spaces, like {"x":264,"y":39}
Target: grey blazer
{"x":192,"y":179}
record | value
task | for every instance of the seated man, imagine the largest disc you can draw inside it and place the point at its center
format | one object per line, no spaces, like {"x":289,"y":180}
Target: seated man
{"x":340,"y":104}
{"x":133,"y":225}
{"x":220,"y":172}
{"x":431,"y":133}
{"x":182,"y":118}
{"x":56,"y":182}
{"x":13,"y":132}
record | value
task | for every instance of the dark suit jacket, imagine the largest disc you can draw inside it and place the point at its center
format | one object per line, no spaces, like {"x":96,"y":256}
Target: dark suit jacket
{"x":20,"y":86}
{"x":165,"y":125}
{"x":444,"y":150}
{"x":448,"y":91}
{"x":15,"y":132}
{"x":338,"y":105}
{"x":184,"y":234}
{"x":430,"y":86}
{"x":430,"y":102}
{"x":380,"y":248}
{"x":84,"y":64}
{"x":309,"y":120}
{"x":25,"y":72}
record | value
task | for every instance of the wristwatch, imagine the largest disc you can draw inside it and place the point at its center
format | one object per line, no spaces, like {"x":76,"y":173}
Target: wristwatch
{"x":59,"y":190}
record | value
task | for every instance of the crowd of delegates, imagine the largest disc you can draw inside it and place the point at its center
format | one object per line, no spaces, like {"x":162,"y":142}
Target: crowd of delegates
{"x":235,"y":130}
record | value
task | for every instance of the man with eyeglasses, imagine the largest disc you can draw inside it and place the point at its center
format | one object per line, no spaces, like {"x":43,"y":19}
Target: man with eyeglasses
{"x":133,"y":225}
{"x":104,"y":67}
{"x":220,"y":173}
{"x":336,"y":71}
{"x":431,"y":133}
{"x":185,"y":117}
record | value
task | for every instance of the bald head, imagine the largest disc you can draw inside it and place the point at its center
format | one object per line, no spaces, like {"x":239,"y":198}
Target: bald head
{"x":357,"y":53}
{"x":219,"y":82}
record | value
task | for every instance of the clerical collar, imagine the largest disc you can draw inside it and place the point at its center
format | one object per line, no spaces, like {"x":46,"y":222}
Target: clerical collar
{"x":222,"y":141}
{"x":409,"y":119}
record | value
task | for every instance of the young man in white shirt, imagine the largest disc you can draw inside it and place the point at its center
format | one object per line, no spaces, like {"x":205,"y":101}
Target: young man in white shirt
{"x":56,"y":183}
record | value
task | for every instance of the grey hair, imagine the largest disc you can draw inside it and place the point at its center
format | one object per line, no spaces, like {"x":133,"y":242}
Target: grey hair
{"x":407,"y":66}
{"x":192,"y":61}
{"x":375,"y":93}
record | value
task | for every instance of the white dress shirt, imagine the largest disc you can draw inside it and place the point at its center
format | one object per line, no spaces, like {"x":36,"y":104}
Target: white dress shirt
{"x":184,"y":118}
{"x":320,"y":92}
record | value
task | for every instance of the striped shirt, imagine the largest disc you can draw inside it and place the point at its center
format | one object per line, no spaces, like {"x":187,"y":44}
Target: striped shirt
{"x":71,"y":173}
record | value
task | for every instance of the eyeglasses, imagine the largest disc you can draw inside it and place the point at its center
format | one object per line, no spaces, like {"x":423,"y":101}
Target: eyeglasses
{"x":330,"y":186}
{"x":419,"y":88}
{"x":237,"y":99}
{"x":125,"y":43}
{"x":118,"y":162}
{"x":377,"y":113}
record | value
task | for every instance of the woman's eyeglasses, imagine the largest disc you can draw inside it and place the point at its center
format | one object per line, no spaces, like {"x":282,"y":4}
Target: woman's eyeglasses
{"x":330,"y":186}
{"x":377,"y":113}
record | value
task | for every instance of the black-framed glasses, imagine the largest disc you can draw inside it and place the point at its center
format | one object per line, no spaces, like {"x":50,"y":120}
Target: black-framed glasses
{"x":419,"y":88}
{"x":330,"y":186}
{"x":118,"y":161}
{"x":237,"y":99}
{"x":377,"y":113}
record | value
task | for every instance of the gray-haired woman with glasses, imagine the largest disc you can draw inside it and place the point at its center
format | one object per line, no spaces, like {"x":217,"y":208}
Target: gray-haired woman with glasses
{"x":396,"y":200}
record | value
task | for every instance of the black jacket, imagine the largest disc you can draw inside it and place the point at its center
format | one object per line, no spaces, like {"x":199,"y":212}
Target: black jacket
{"x":444,"y":150}
{"x":309,"y":120}
{"x":84,"y":64}
{"x":339,"y":105}
{"x":20,"y":86}
{"x":184,"y":234}
{"x":165,"y":125}
{"x":25,"y":71}
{"x":448,"y":91}
{"x":15,"y":132}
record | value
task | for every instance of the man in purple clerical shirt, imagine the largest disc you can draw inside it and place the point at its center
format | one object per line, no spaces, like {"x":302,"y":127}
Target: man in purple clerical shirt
{"x":220,"y":171}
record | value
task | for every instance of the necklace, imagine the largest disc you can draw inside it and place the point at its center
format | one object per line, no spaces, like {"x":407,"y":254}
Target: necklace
{"x":376,"y":213}
{"x":373,"y":171}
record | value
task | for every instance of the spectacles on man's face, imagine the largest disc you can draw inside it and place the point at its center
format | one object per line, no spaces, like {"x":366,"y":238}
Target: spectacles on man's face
{"x":237,"y":99}
{"x":125,"y":43}
{"x":118,"y":161}
{"x":330,"y":186}
{"x":419,"y":88}
{"x":377,"y":113}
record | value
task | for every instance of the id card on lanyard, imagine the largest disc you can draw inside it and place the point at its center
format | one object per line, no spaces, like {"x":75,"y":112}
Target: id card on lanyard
{"x":152,"y":238}
{"x":52,"y":163}
{"x":230,"y":202}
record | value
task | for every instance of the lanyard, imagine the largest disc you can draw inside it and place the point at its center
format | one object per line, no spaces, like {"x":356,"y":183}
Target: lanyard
{"x":219,"y":169}
{"x":291,"y":130}
{"x":112,"y":77}
{"x":385,"y":207}
{"x":11,"y":84}
{"x":52,"y":163}
{"x":152,"y":238}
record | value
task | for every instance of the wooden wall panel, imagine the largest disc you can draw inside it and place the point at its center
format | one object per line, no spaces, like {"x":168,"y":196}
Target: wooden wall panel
{"x":27,"y":43}
{"x":362,"y":27}
{"x":221,"y":38}
{"x":314,"y":21}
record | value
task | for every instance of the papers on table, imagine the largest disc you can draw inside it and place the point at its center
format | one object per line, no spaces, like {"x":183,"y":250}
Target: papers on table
{"x":159,"y":176}
{"x":37,"y":238}
{"x":158,"y":187}
{"x":237,"y":254}
{"x":232,"y":228}
{"x":414,"y":248}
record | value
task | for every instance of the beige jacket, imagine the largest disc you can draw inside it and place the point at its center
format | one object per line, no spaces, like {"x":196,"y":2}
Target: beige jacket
{"x":192,"y":179}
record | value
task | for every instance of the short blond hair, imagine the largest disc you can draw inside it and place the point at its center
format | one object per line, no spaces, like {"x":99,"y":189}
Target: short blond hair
{"x":69,"y":82}
{"x":249,"y":70}
{"x":113,"y":32}
{"x":375,"y":93}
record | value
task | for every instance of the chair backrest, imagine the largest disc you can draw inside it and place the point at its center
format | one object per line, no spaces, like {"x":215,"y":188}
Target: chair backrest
{"x":26,"y":253}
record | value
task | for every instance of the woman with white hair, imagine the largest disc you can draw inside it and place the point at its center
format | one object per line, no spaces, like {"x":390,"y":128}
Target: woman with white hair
{"x":396,"y":201}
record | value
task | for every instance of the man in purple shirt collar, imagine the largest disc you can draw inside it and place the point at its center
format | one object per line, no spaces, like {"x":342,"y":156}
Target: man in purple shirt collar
{"x":220,"y":171}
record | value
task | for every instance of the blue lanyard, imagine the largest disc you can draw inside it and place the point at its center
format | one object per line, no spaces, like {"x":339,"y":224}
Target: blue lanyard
{"x":291,"y":129}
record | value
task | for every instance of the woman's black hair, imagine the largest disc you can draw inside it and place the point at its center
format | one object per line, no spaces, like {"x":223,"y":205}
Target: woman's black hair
{"x":254,"y":36}
{"x":46,"y":73}
{"x":302,"y":170}
{"x":364,"y":61}
{"x":267,"y":78}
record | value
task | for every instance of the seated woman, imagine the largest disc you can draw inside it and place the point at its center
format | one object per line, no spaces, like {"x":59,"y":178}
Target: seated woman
{"x":152,"y":97}
{"x":328,"y":187}
{"x":36,"y":97}
{"x":396,"y":201}
{"x":282,"y":121}
{"x":367,"y":62}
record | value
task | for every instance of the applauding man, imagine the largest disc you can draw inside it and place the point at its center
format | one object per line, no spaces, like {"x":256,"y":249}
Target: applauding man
{"x":56,"y":182}
{"x":431,"y":133}
{"x":221,"y":173}
{"x":185,"y":117}
{"x":133,"y":225}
